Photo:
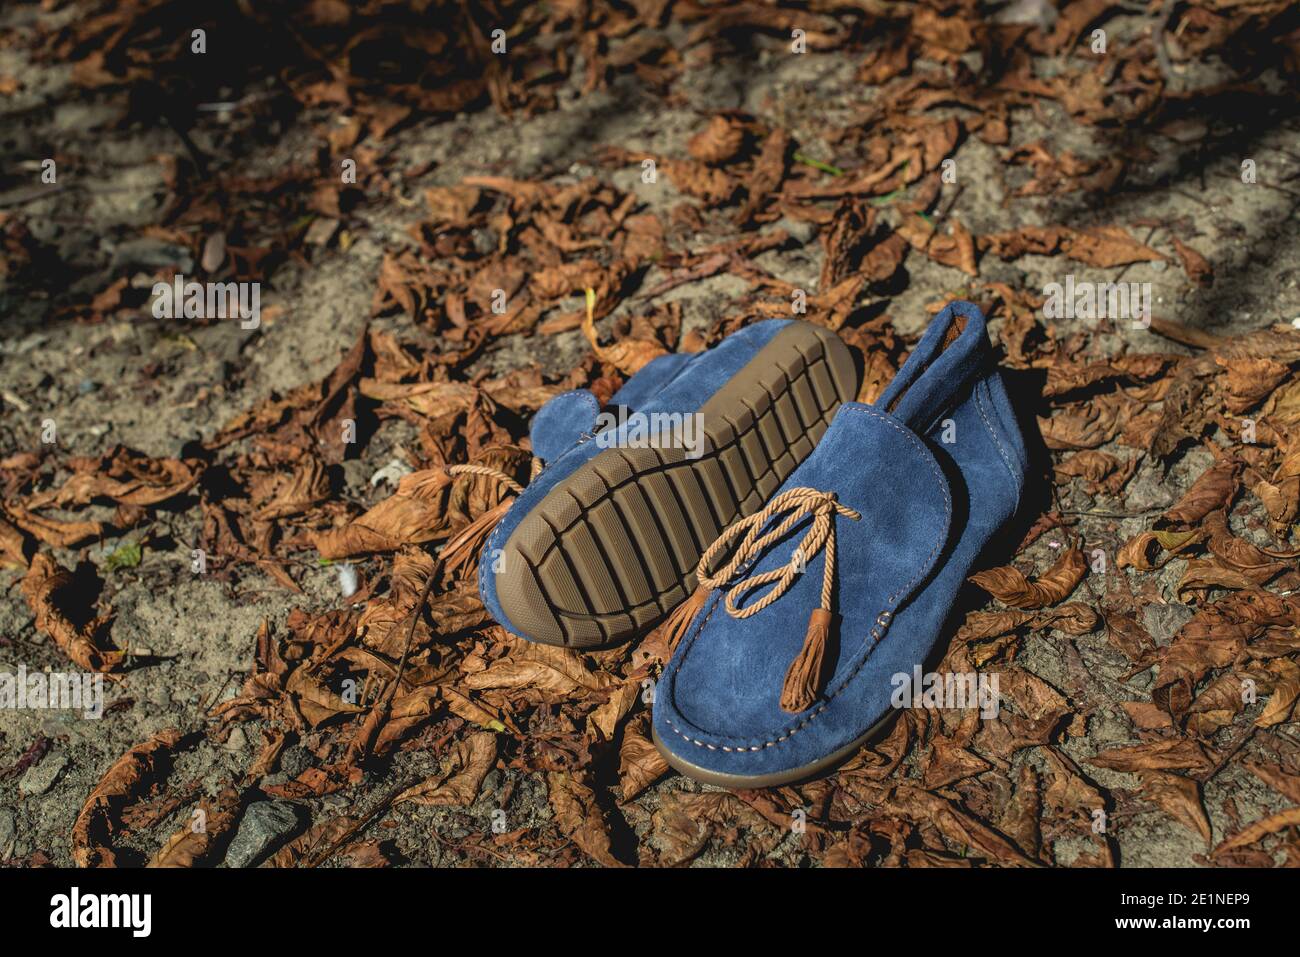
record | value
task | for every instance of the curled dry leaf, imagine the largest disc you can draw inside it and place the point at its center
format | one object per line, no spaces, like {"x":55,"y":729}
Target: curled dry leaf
{"x":640,"y":763}
{"x":718,"y":142}
{"x":52,"y":592}
{"x":280,"y":495}
{"x":317,"y":701}
{"x":458,"y":785}
{"x":1260,"y":830}
{"x":956,"y":825}
{"x":1142,"y":550}
{"x":560,"y":673}
{"x":1180,"y":797}
{"x":1285,"y":691}
{"x":1214,"y":489}
{"x":14,"y":546}
{"x":1169,"y":754}
{"x":124,"y":476}
{"x":1196,"y":266}
{"x":1249,"y":380}
{"x":414,"y":514}
{"x":384,"y":624}
{"x":1101,"y":246}
{"x":580,"y":818}
{"x":316,"y":839}
{"x":120,"y":786}
{"x":55,"y":532}
{"x":628,"y":355}
{"x":1010,"y":585}
{"x":193,"y":845}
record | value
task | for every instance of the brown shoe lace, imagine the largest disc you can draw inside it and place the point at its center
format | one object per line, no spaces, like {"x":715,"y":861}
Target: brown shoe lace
{"x":488,"y":472}
{"x":804,"y":679}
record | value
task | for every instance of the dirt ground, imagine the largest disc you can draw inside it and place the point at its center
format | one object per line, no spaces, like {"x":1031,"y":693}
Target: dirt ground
{"x":157,"y":385}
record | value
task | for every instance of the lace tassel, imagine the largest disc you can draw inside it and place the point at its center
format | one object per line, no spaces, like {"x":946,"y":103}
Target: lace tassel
{"x":804,"y":679}
{"x":679,"y":621}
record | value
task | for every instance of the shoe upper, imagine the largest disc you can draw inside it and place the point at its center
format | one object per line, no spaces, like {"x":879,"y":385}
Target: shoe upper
{"x":934,"y":467}
{"x":563,"y":429}
{"x":570,"y":417}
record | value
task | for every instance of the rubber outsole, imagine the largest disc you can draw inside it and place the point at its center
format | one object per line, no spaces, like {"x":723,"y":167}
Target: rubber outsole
{"x":613,"y":548}
{"x":741,"y":782}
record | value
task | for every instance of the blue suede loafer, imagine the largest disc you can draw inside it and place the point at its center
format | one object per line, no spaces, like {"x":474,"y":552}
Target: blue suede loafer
{"x":606,"y":538}
{"x":780,"y":673}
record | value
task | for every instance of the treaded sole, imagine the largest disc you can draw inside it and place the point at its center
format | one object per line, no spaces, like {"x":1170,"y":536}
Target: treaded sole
{"x":613,"y":548}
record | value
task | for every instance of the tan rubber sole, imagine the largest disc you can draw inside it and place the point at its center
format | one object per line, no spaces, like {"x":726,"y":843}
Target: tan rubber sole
{"x":739,"y":782}
{"x":613,"y":548}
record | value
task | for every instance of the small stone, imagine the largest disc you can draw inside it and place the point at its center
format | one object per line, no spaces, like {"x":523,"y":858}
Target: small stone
{"x":1163,"y":621}
{"x":151,"y":254}
{"x":321,"y":231}
{"x":485,"y":241}
{"x":214,"y":252}
{"x":800,"y":231}
{"x":237,"y":741}
{"x":41,"y":777}
{"x":294,"y":760}
{"x":7,"y":832}
{"x":58,"y":725}
{"x":86,"y":386}
{"x":266,"y":825}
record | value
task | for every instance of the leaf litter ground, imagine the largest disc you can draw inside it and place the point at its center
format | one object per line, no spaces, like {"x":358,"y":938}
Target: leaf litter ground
{"x":436,"y":738}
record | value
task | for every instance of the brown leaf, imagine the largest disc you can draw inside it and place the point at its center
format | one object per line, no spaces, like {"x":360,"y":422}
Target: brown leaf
{"x":1101,"y":246}
{"x":58,"y":533}
{"x":1196,"y":266}
{"x":281,"y":495}
{"x":1020,"y":816}
{"x":1213,"y":489}
{"x":1179,"y":797}
{"x":1010,"y":585}
{"x":1170,"y":754}
{"x":1141,"y":551}
{"x":1249,"y":380}
{"x":1285,"y":691}
{"x":124,"y":476}
{"x":414,"y":514}
{"x":53,"y":594}
{"x":956,"y":826}
{"x":559,"y":672}
{"x":1260,"y":829}
{"x":120,"y":786}
{"x":718,"y":142}
{"x":580,"y":818}
{"x":604,"y":720}
{"x":640,"y":762}
{"x":950,"y":762}
{"x":458,"y":785}
{"x":627,"y":355}
{"x":317,"y":838}
{"x":193,"y":844}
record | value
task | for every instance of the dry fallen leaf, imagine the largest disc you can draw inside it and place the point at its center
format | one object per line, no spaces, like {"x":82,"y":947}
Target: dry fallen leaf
{"x":123,"y":784}
{"x":1010,"y":585}
{"x":53,"y":593}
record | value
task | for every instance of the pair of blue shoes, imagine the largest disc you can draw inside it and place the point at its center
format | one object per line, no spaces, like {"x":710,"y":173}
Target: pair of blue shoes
{"x":812,"y":546}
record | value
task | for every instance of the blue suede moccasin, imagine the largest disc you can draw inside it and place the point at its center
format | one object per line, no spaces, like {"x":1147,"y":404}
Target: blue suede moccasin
{"x":606,"y":538}
{"x":780,"y":674}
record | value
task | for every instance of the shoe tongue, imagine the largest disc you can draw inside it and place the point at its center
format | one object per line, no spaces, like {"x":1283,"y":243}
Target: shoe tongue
{"x":561,"y":422}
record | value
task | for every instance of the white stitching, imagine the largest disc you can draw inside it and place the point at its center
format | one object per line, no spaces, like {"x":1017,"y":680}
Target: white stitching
{"x":993,"y":434}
